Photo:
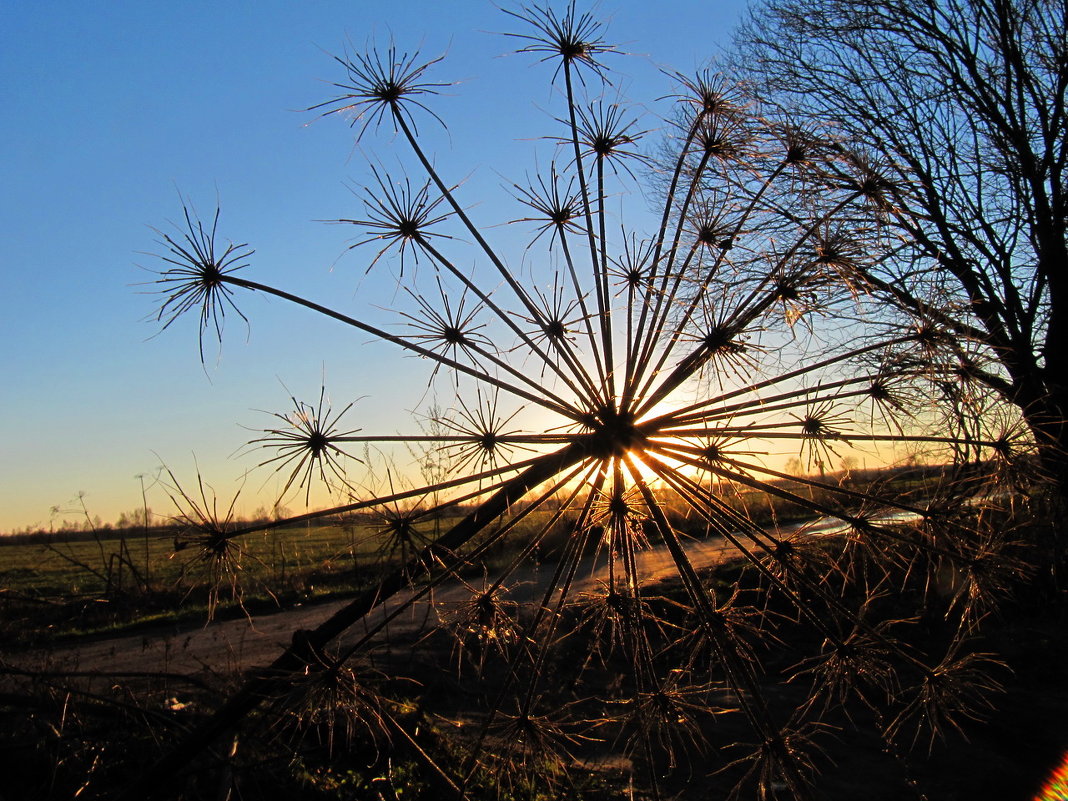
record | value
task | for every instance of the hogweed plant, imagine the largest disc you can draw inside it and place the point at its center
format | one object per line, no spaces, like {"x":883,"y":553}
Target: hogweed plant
{"x":629,"y":393}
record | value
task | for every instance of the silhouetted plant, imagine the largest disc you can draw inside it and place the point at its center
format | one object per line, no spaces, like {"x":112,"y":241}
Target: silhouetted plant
{"x":594,"y":399}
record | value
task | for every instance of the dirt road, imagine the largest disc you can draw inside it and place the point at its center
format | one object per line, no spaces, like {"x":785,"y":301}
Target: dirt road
{"x":223,"y":647}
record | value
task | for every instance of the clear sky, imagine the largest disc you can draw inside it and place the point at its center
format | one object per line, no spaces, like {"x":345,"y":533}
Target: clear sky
{"x":114,"y":111}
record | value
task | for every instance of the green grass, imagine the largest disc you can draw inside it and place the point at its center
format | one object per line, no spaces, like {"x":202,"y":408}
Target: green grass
{"x":70,"y":584}
{"x":65,"y":566}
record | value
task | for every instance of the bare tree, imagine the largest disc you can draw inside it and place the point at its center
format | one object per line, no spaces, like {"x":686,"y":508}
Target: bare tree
{"x":950,"y":121}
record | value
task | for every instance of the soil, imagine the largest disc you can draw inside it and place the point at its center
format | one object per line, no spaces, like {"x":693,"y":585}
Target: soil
{"x":1005,"y":757}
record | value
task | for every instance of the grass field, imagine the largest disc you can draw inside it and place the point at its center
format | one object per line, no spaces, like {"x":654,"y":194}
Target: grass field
{"x":127,"y":562}
{"x":84,"y":582}
{"x":90,"y":583}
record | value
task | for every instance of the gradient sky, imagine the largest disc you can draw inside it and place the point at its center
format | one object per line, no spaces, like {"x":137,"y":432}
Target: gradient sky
{"x":115,"y":111}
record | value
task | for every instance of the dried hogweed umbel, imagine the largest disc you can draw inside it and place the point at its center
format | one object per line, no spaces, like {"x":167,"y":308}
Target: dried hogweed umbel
{"x":674,"y":375}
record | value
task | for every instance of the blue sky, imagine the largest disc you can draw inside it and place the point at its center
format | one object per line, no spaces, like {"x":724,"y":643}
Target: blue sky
{"x":115,"y":111}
